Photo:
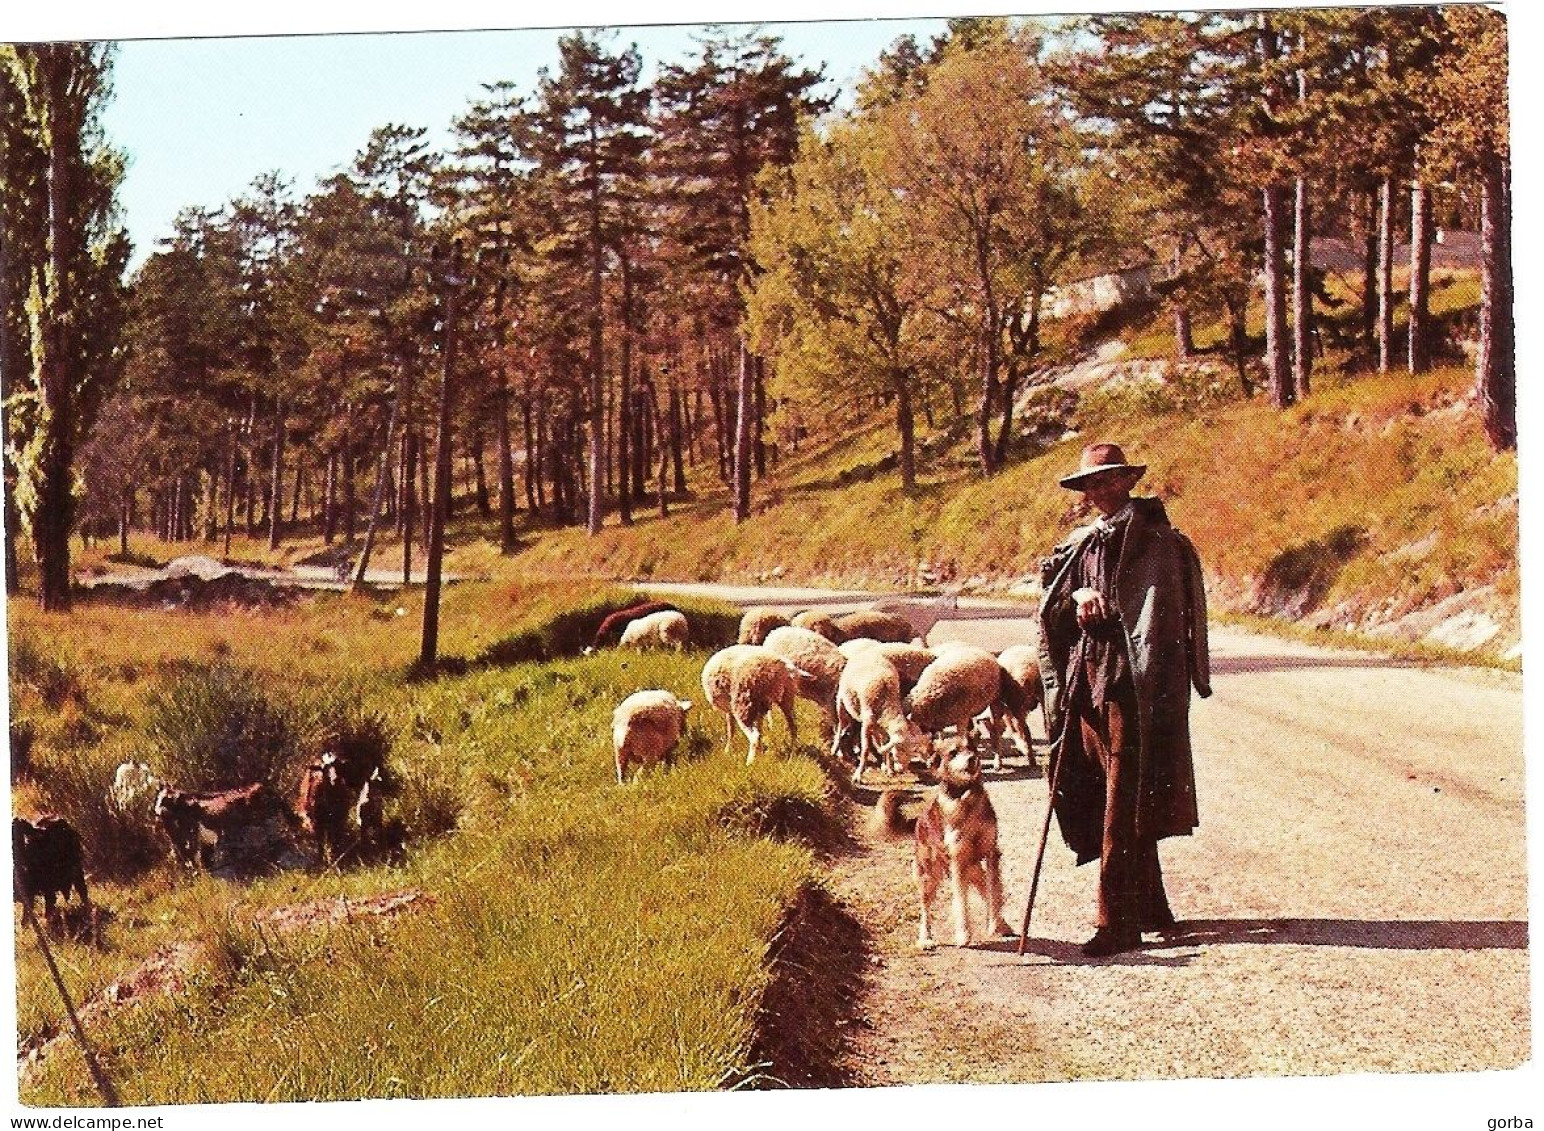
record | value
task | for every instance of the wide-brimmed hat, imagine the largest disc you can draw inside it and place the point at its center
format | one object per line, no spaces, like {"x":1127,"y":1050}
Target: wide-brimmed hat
{"x":1098,"y":459}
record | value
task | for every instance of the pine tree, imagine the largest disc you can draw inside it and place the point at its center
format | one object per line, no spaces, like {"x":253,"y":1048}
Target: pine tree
{"x":591,"y":138}
{"x":74,"y":279}
{"x":733,"y":112}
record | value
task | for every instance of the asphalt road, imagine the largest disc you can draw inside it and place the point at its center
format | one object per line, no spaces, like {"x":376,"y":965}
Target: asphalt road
{"x":1355,"y":899}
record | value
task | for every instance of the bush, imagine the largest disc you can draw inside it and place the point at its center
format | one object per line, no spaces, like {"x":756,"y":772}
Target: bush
{"x":54,"y":676}
{"x":221,"y":727}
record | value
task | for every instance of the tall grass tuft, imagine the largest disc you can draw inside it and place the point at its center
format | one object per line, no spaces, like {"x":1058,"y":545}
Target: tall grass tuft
{"x":223,"y":726}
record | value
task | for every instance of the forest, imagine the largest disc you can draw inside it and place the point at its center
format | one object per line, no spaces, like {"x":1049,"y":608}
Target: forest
{"x":604,"y":281}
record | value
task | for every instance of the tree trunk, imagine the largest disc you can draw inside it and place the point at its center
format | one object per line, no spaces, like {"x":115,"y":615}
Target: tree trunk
{"x":1385,"y":275}
{"x":643,"y":439}
{"x":987,"y":346}
{"x":906,"y":425}
{"x":625,"y":470}
{"x":506,"y":471}
{"x":597,"y":359}
{"x":1495,"y":366}
{"x":300,"y":478}
{"x":276,"y":484}
{"x":742,"y":438}
{"x":1238,"y":338}
{"x":346,"y":455}
{"x":1302,"y":294}
{"x":718,"y":423}
{"x":761,"y":420}
{"x":664,"y":459}
{"x":55,"y":506}
{"x":1277,"y":363}
{"x":479,"y":471}
{"x":425,"y":493}
{"x":330,"y":500}
{"x":380,"y":490}
{"x":124,"y":507}
{"x":429,"y":651}
{"x":532,"y":502}
{"x":409,"y":501}
{"x":1370,"y":272}
{"x":1419,"y":358}
{"x":12,"y":531}
{"x":1184,"y":337}
{"x":1005,"y":428}
{"x":677,"y":410}
{"x":230,"y":484}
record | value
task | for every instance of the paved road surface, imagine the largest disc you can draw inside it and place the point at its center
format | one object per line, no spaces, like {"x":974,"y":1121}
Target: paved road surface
{"x":1355,"y":899}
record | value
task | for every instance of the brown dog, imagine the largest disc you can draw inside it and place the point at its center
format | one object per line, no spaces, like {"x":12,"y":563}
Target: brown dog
{"x":956,"y":834}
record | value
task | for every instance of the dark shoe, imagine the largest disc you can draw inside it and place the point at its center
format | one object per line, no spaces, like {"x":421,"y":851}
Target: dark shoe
{"x":1111,"y":940}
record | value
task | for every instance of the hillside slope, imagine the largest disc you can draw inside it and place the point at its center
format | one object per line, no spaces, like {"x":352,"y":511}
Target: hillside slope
{"x":1375,"y":507}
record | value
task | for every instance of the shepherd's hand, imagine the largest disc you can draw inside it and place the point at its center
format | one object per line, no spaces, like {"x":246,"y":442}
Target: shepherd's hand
{"x":1092,"y":607}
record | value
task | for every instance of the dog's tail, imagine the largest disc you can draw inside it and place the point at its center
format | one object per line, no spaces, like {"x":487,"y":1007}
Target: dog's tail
{"x":888,"y":820}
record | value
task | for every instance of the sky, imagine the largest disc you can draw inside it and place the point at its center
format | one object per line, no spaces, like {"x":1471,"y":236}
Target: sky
{"x":200,"y":118}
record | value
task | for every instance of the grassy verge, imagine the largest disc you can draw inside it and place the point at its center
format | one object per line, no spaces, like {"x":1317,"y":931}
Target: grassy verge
{"x":577,"y":936}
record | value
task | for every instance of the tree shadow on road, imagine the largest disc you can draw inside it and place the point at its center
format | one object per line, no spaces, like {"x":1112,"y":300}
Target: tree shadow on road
{"x":1375,"y":934}
{"x":1371,"y":934}
{"x":1071,"y":954}
{"x":1250,"y":665}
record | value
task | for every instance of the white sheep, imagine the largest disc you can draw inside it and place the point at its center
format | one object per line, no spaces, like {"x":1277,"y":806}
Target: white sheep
{"x":869,"y":693}
{"x":645,"y":728}
{"x":956,"y":687}
{"x":921,"y":613}
{"x":133,"y":790}
{"x":875,"y":626}
{"x":744,"y":682}
{"x":819,"y":621}
{"x":1024,"y":691}
{"x":819,"y":662}
{"x":667,"y":629}
{"x":909,"y":659}
{"x":757,"y":621}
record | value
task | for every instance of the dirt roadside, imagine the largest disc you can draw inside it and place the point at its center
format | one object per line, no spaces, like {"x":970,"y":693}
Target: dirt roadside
{"x":1354,"y":901}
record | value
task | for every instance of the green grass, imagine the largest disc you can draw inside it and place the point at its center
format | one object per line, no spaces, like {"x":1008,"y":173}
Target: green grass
{"x":581,"y":936}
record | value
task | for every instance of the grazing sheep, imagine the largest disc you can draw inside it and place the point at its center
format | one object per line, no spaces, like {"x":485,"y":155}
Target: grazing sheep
{"x":921,"y":613}
{"x":610,"y":629}
{"x":665,"y":629}
{"x":757,"y":622}
{"x":819,"y":661}
{"x":869,"y":693}
{"x":910,"y":661}
{"x":955,"y":688}
{"x":744,"y":682}
{"x":819,"y":664}
{"x":817,"y":621}
{"x":133,"y":791}
{"x":1022,"y":691}
{"x":645,"y":728}
{"x":884,"y":627}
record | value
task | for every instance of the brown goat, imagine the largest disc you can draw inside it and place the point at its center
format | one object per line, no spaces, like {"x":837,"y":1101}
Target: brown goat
{"x":195,"y":822}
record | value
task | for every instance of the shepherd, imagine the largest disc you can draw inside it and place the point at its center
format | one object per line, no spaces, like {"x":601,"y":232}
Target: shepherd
{"x":1123,"y":642}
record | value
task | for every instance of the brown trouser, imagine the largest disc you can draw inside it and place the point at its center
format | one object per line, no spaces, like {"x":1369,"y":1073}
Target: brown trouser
{"x":1131,"y":891}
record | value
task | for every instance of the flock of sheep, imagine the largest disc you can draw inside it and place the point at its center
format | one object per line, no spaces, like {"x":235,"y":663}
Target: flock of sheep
{"x":884,"y":694}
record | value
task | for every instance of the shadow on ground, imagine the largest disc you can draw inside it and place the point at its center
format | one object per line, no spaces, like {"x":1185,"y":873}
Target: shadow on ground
{"x":805,"y":1023}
